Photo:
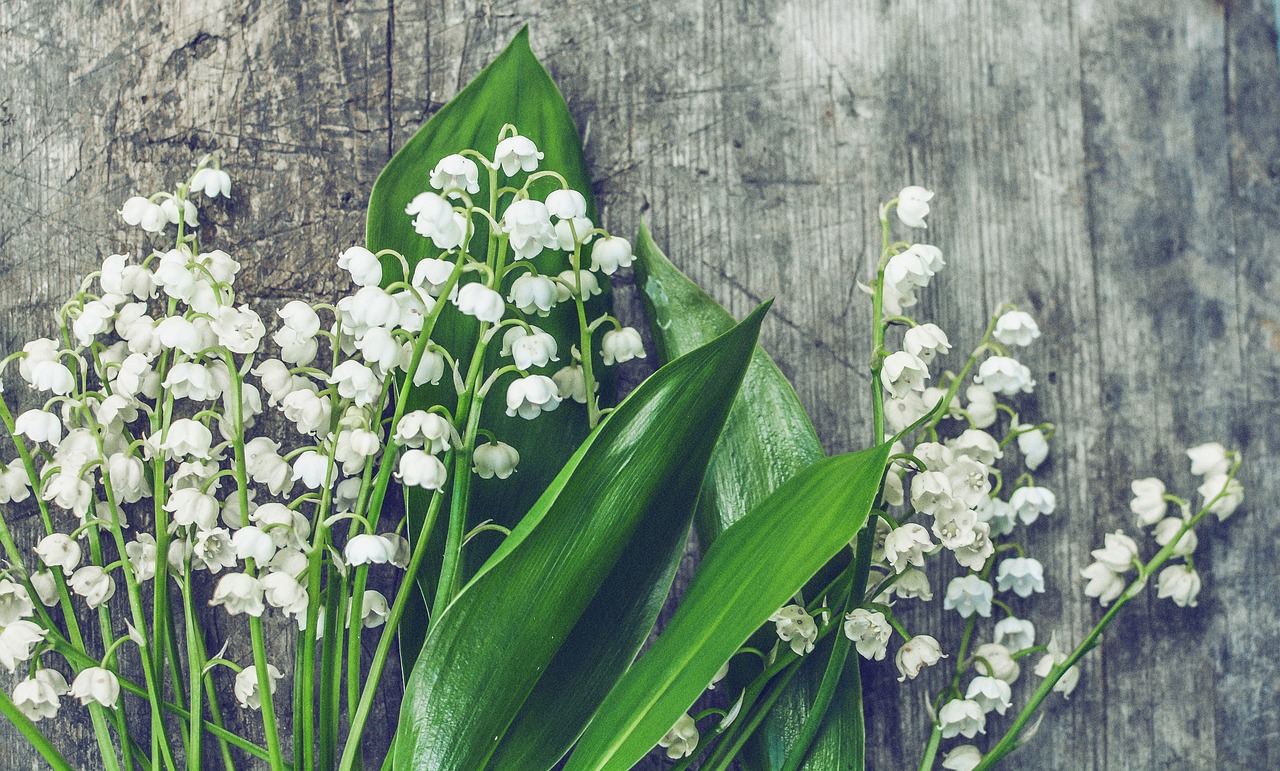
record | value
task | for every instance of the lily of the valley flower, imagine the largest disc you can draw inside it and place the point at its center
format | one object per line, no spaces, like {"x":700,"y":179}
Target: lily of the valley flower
{"x":621,"y":345}
{"x":682,"y":739}
{"x":962,"y":717}
{"x":97,"y":685}
{"x":1016,"y":328}
{"x":913,"y":206}
{"x":796,"y":627}
{"x":917,"y":653}
{"x":1180,"y":583}
{"x":246,"y":685}
{"x":967,"y":595}
{"x":531,"y":396}
{"x":495,"y":459}
{"x":925,"y":342}
{"x":870,"y":632}
{"x":902,"y":373}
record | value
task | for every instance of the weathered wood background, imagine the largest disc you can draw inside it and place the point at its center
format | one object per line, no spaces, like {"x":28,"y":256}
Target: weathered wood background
{"x":1113,"y":166}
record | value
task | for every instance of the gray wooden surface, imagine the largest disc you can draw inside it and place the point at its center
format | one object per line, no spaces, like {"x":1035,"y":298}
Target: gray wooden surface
{"x":1111,"y":166}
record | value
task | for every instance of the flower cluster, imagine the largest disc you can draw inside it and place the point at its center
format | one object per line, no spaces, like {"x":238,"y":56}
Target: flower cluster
{"x":161,"y":373}
{"x":961,"y":482}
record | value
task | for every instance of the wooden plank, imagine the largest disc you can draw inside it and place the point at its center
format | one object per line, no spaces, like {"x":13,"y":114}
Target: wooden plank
{"x":1113,"y":169}
{"x":1244,"y":576}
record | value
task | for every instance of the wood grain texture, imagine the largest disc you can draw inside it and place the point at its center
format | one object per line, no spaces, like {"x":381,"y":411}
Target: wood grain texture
{"x":1113,"y":167}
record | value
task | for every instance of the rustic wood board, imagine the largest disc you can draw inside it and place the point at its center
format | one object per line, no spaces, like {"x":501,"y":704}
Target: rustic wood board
{"x":1113,"y":167}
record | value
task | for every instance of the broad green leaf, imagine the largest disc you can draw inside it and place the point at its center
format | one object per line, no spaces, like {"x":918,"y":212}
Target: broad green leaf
{"x":513,"y":89}
{"x":767,"y":440}
{"x":635,"y":479}
{"x":752,"y":569}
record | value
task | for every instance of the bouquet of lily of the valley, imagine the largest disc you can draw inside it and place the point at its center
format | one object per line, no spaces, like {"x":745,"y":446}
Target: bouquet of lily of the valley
{"x":452,"y":484}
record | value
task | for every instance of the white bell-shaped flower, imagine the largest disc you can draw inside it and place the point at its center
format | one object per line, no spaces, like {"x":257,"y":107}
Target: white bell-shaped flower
{"x":913,"y":206}
{"x":1005,"y":376}
{"x":362,"y":264}
{"x":1021,"y":575}
{"x":420,"y":469}
{"x":374,"y":611}
{"x":534,"y":294}
{"x":307,"y":411}
{"x":901,"y":373}
{"x":435,"y":218}
{"x":421,"y":429}
{"x":1148,"y":501}
{"x":530,"y":347}
{"x":476,"y":299}
{"x":212,"y":182}
{"x":906,"y":545}
{"x":571,"y":383}
{"x":94,"y":584}
{"x":456,"y":171}
{"x":37,"y":696}
{"x":530,"y":396}
{"x":15,"y":602}
{"x":528,"y":226}
{"x":246,"y":685}
{"x":141,"y":552}
{"x":98,"y":685}
{"x":39,"y":426}
{"x":368,"y":549}
{"x":1031,"y":502}
{"x":797,"y":628}
{"x":917,"y":653}
{"x":52,"y":376}
{"x":59,"y":550}
{"x":925,"y":342}
{"x":515,"y":154}
{"x":239,"y":593}
{"x":870,"y":632}
{"x":968,"y":595}
{"x":621,"y":345}
{"x":1179,"y":583}
{"x":1016,"y":328}
{"x":962,"y":717}
{"x":571,"y":280}
{"x":140,"y":212}
{"x":681,"y":739}
{"x":567,"y":204}
{"x":252,"y":542}
{"x":495,"y":459}
{"x":1015,"y":633}
{"x":609,"y":254}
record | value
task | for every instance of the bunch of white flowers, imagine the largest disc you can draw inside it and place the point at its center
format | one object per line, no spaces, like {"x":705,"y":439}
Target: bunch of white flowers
{"x":152,"y":392}
{"x":947,"y":491}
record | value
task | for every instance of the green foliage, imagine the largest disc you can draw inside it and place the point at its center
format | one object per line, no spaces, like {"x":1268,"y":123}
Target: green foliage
{"x":513,"y":89}
{"x":768,"y":440}
{"x":518,"y":662}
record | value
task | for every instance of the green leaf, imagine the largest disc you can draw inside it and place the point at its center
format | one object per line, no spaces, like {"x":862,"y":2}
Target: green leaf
{"x":753,"y":568}
{"x":519,"y":622}
{"x":767,"y":440}
{"x":513,"y":89}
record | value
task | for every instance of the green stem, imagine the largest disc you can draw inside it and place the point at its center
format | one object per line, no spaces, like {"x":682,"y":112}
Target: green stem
{"x":1009,"y":742}
{"x":354,"y":735}
{"x":931,"y":749}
